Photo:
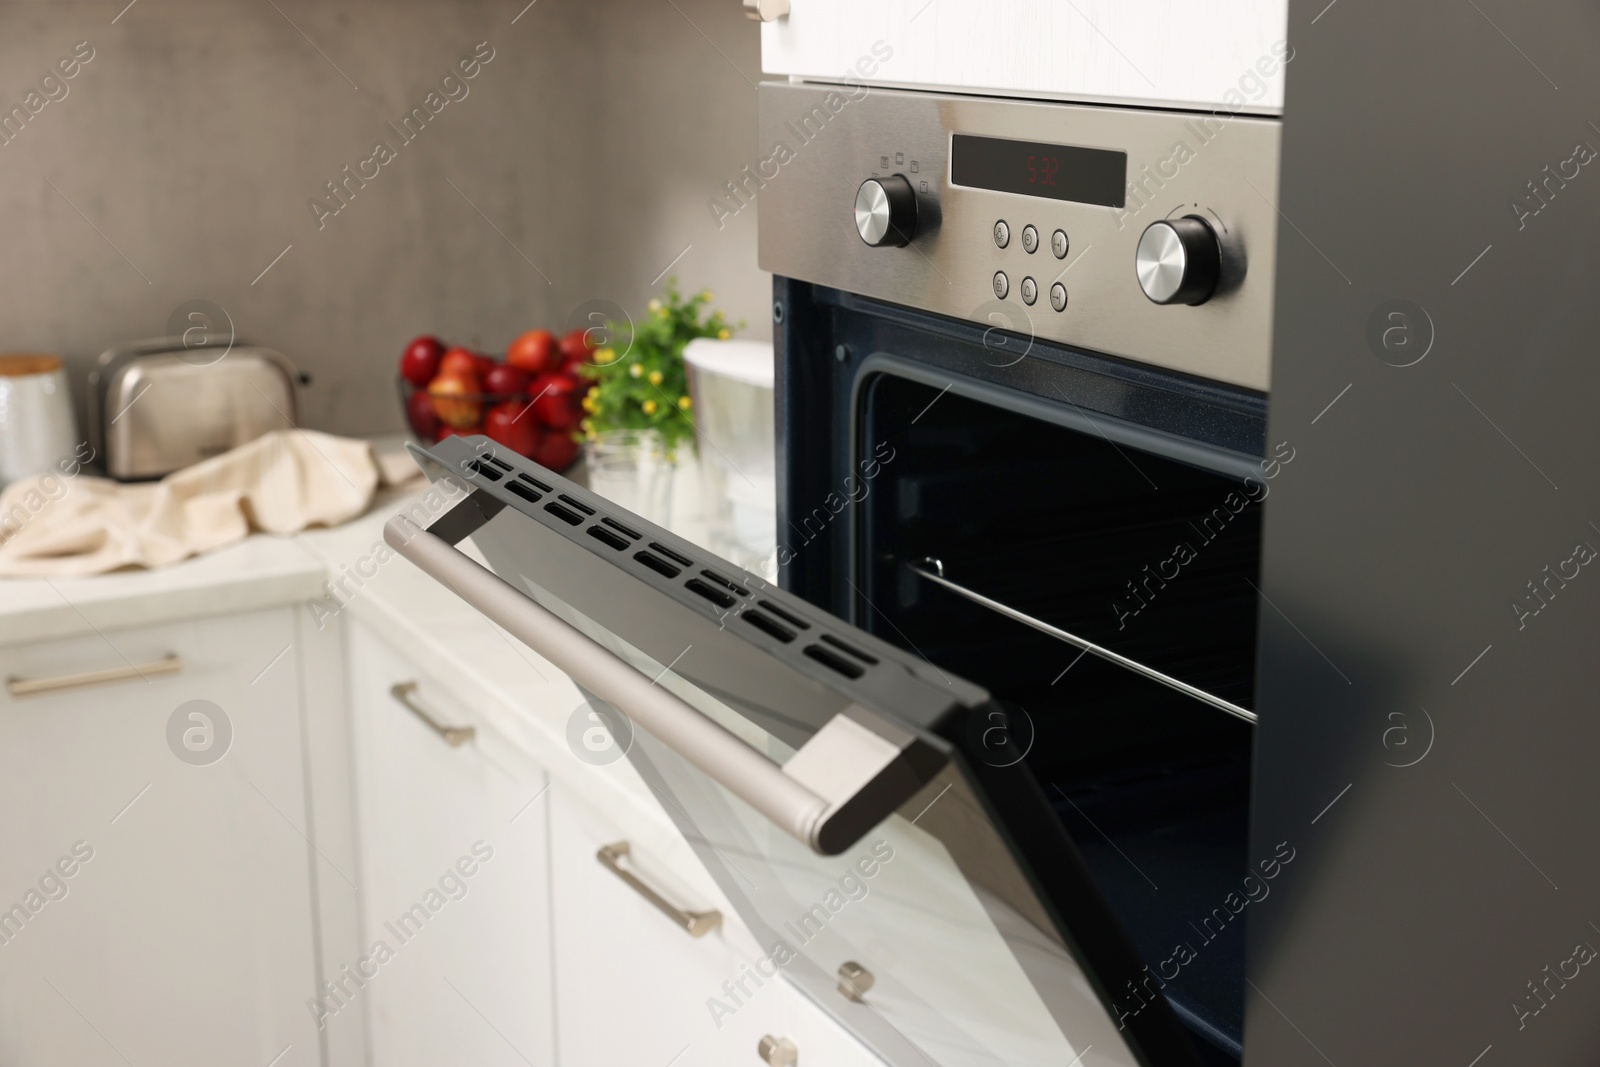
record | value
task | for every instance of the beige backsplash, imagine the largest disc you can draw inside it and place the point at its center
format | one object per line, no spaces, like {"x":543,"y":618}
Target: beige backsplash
{"x":198,"y":132}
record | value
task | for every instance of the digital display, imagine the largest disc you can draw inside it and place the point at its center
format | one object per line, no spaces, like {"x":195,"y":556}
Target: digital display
{"x":1059,"y":172}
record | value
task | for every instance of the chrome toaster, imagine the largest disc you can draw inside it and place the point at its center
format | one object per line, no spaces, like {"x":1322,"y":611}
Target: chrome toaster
{"x":160,"y":405}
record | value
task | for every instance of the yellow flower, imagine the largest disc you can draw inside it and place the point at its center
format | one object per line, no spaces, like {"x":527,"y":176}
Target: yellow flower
{"x":590,"y":405}
{"x":655,"y":377}
{"x":635,"y":370}
{"x":654,"y":305}
{"x":605,"y":355}
{"x":705,"y":294}
{"x":723,"y":334}
{"x":684,"y":403}
{"x":649,"y":407}
{"x":661,"y":312}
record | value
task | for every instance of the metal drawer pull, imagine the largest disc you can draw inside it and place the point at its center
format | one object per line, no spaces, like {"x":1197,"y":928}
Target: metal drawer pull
{"x":855,"y":980}
{"x":23,"y":687}
{"x":777,"y":1051}
{"x":695,"y":923}
{"x":933,"y":570}
{"x":455,"y":735}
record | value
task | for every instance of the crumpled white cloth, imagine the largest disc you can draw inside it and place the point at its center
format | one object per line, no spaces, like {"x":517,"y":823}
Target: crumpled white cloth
{"x":64,"y":523}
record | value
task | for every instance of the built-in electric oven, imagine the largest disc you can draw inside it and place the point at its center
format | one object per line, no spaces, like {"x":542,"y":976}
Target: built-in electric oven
{"x":977,"y":776}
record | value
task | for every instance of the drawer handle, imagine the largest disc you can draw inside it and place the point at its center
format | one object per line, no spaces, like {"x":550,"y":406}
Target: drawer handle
{"x":694,"y":923}
{"x":455,"y":736}
{"x":25,"y":687}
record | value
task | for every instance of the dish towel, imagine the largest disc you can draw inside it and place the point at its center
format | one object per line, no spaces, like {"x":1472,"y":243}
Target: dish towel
{"x":65,"y":523}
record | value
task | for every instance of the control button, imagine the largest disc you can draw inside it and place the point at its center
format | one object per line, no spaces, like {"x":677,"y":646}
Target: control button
{"x":1002,"y":233}
{"x":886,"y":211}
{"x":1179,"y":261}
{"x":1030,"y":239}
{"x":1029,"y":291}
{"x":1058,"y":296}
{"x":1058,"y":244}
{"x":1002,"y":284}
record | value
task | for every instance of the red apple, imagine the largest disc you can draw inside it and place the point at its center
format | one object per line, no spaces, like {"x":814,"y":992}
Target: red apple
{"x":535,"y":351}
{"x":420,"y":362}
{"x":420,"y":414}
{"x":485,"y":364}
{"x":502,"y":379}
{"x":459,"y":361}
{"x":555,"y":450}
{"x":557,"y":399}
{"x":512,"y":424}
{"x":455,"y":399}
{"x":576,"y":346}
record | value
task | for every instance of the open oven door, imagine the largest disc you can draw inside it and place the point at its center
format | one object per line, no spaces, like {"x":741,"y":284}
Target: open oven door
{"x":869,"y":816}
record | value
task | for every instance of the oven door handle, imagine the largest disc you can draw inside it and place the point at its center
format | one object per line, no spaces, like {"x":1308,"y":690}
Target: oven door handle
{"x":846,"y":779}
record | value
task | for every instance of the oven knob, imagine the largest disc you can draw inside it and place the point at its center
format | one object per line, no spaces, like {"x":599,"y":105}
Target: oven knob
{"x":886,"y":211}
{"x":1179,"y":261}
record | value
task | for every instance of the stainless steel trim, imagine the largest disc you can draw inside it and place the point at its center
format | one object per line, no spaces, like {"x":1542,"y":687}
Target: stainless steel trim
{"x":820,"y":142}
{"x":937,"y":575}
{"x":728,"y":760}
{"x":694,"y":923}
{"x":23,"y":687}
{"x":455,"y":735}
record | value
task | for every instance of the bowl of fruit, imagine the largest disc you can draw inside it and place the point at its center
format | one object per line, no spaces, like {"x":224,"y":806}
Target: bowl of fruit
{"x":530,"y":402}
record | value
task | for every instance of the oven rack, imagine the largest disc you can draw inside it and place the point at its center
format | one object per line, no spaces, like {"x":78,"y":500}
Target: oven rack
{"x":932,"y":569}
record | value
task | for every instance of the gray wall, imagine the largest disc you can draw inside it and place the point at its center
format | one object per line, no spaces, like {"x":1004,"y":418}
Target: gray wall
{"x":198,"y":132}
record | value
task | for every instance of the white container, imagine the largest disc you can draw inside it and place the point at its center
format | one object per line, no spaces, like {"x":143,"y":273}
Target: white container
{"x":36,"y":426}
{"x":730,"y":383}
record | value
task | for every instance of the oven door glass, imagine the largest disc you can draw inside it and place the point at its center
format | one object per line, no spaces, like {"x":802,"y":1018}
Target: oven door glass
{"x":826,"y":779}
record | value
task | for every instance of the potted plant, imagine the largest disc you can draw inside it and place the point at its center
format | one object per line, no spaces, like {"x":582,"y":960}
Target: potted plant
{"x":637,"y":410}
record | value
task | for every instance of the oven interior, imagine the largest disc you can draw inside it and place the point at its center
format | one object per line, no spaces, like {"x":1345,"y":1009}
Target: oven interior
{"x":1067,"y":527}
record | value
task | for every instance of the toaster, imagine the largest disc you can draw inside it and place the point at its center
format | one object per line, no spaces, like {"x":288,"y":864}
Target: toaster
{"x":160,"y":405}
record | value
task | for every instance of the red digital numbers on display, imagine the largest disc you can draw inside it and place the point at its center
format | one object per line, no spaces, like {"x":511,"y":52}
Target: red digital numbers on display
{"x":1042,"y":170}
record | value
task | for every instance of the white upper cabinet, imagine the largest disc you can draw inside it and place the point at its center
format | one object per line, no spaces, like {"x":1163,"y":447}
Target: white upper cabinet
{"x":1183,"y":53}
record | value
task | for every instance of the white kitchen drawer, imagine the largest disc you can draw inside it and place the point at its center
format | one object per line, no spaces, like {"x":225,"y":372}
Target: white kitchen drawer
{"x":631,"y":985}
{"x":468,"y":978}
{"x":187,"y":935}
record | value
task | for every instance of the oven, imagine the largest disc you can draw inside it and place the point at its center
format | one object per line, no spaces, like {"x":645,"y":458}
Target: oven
{"x":977,"y":772}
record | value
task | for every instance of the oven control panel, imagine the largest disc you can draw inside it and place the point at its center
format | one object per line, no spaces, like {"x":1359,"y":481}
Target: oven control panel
{"x":1142,"y":234}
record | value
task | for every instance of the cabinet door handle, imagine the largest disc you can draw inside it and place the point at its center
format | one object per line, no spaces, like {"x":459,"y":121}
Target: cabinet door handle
{"x":24,"y":687}
{"x":453,"y":735}
{"x":694,"y":923}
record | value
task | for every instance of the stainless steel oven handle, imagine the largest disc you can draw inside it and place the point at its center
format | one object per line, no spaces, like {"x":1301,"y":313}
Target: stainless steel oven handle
{"x":933,"y":571}
{"x":729,"y":761}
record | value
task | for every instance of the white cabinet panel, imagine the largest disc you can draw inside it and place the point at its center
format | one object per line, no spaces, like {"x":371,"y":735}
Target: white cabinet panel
{"x":633,"y":987}
{"x":454,"y":882}
{"x":157,"y":910}
{"x":1181,"y":52}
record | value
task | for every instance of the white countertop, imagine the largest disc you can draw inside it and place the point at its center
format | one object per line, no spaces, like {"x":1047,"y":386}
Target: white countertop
{"x":260,"y":571}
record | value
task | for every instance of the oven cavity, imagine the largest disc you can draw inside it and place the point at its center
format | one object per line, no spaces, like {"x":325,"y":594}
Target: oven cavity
{"x":1149,"y":558}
